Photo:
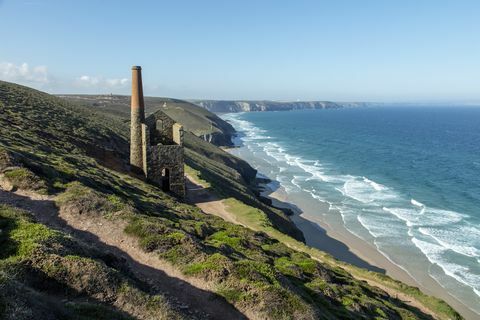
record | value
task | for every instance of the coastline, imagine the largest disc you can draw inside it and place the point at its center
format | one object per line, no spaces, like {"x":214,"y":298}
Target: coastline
{"x":324,"y":223}
{"x":345,"y":246}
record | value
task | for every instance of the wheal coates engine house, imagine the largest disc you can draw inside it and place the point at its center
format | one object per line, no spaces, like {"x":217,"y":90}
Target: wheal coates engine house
{"x":156,"y":143}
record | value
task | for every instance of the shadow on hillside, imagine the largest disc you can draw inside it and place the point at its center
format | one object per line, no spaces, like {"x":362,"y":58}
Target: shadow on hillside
{"x":195,"y":298}
{"x":197,"y":194}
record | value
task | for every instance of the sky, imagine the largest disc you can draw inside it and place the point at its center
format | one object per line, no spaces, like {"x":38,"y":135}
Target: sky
{"x":338,"y":50}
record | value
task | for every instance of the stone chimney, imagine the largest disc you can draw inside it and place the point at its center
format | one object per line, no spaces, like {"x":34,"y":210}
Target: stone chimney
{"x":137,"y":119}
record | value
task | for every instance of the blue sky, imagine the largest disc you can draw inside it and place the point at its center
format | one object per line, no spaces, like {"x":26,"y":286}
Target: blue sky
{"x":358,"y":50}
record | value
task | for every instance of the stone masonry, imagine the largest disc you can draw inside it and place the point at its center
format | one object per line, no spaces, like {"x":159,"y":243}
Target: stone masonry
{"x":156,"y":147}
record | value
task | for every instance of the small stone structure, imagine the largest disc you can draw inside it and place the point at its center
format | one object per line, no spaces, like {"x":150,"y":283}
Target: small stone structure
{"x":156,"y":143}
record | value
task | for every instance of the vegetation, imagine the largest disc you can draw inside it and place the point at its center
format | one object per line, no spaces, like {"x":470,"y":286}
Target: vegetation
{"x":229,"y":183}
{"x":74,"y":151}
{"x":194,"y":118}
{"x":231,"y":175}
{"x":22,"y":178}
{"x":256,"y":219}
{"x":45,"y":274}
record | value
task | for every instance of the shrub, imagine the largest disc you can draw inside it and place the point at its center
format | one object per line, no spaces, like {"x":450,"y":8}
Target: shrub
{"x":214,"y":264}
{"x":22,"y":178}
{"x":223,"y":237}
{"x":79,"y":199}
{"x":287,"y":267}
{"x":256,"y":273}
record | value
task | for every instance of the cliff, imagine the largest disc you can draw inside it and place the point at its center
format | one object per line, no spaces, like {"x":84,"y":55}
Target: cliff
{"x":225,"y":106}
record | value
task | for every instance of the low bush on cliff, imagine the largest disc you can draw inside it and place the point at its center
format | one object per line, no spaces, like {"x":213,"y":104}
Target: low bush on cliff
{"x":79,"y":199}
{"x":22,"y":178}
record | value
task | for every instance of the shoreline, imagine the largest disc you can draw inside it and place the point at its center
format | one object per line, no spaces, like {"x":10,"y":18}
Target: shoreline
{"x":324,"y":228}
{"x":345,"y":246}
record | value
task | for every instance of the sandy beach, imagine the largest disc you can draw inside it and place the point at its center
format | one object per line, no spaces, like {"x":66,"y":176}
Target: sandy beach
{"x":343,"y":245}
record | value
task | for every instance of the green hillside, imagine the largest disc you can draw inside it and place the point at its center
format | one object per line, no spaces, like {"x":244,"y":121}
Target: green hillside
{"x":194,"y":118}
{"x":233,"y":175}
{"x":69,"y":160}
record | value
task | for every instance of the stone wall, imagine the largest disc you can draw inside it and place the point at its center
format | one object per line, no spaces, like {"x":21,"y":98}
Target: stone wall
{"x":162,"y":149}
{"x":161,"y":128}
{"x":167,"y":159}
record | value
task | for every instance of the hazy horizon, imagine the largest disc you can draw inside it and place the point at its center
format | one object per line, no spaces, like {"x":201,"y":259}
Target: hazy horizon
{"x":374,"y":51}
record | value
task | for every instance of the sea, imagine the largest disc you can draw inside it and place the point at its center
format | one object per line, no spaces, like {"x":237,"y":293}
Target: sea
{"x":404,"y":179}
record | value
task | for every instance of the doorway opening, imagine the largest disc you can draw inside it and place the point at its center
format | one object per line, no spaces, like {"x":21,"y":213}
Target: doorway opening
{"x":166,"y":179}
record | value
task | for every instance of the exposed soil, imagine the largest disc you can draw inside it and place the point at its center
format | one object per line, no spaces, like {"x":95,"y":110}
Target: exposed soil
{"x":192,"y":295}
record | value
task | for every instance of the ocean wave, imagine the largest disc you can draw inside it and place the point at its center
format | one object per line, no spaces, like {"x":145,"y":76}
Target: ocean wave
{"x":374,"y":185}
{"x":258,"y":137}
{"x":426,"y":216}
{"x":436,"y":254}
{"x":367,"y":191}
{"x":455,"y":239}
{"x":402,"y":214}
{"x":296,"y":181}
{"x":380,"y":227}
{"x":274,"y":150}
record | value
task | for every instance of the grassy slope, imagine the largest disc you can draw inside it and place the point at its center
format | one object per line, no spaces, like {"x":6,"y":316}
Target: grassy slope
{"x":194,"y":118}
{"x":200,"y":154}
{"x":252,"y":270}
{"x":45,"y":274}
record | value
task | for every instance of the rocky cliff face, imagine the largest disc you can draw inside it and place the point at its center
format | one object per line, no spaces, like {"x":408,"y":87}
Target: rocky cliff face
{"x":245,"y":106}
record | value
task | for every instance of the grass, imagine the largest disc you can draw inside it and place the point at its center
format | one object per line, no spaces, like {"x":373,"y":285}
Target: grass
{"x":247,"y":215}
{"x":43,"y":271}
{"x":19,"y":235}
{"x":214,"y":263}
{"x":196,"y":176}
{"x":261,"y":270}
{"x":248,"y":266}
{"x":193,"y":118}
{"x":230,"y":183}
{"x":255,"y":219}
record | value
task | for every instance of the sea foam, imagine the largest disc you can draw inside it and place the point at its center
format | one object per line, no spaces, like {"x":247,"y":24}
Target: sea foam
{"x":436,"y":254}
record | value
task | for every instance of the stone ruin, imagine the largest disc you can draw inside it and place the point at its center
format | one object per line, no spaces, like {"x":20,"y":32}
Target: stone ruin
{"x":156,"y":143}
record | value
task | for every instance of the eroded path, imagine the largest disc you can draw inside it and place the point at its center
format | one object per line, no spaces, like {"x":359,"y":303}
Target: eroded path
{"x":193,"y":295}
